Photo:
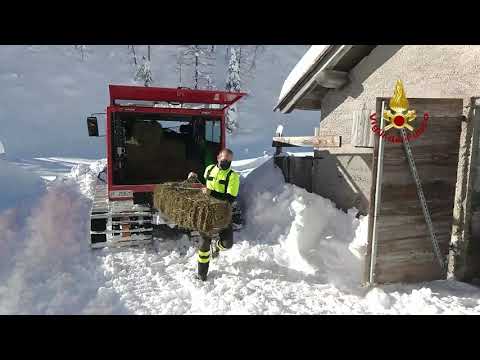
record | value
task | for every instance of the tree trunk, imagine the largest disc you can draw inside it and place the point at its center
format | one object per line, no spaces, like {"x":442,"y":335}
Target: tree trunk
{"x":196,"y":71}
{"x":134,"y":54}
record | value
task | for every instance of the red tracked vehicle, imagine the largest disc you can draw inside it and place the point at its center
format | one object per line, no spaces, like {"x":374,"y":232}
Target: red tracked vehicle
{"x":153,"y":135}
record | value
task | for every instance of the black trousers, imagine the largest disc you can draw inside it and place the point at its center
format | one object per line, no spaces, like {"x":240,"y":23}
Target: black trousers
{"x":226,"y":239}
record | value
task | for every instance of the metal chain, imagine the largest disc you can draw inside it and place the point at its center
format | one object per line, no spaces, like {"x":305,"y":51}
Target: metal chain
{"x":426,"y":212}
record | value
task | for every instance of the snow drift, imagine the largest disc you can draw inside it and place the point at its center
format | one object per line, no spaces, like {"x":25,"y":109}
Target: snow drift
{"x":51,"y":269}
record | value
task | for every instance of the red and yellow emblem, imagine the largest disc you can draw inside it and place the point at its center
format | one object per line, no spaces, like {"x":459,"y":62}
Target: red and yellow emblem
{"x":399,"y":116}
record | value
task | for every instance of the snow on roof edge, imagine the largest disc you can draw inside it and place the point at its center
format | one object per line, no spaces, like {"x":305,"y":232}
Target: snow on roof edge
{"x":302,"y":67}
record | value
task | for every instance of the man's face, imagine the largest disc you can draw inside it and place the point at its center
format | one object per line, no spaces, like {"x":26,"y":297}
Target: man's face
{"x":224,"y":156}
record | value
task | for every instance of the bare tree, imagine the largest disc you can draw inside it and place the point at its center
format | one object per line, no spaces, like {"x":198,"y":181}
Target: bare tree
{"x":179,"y":66}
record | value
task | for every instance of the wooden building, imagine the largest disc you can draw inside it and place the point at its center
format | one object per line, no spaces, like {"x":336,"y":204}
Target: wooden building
{"x":346,"y":84}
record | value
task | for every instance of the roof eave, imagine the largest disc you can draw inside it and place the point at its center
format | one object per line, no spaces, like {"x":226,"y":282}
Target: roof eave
{"x":326,"y":62}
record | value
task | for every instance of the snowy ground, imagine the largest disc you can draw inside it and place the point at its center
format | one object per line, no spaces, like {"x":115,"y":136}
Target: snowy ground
{"x":296,"y":255}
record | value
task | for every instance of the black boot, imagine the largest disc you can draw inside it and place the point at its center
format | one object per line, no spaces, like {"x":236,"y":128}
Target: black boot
{"x":203,"y":262}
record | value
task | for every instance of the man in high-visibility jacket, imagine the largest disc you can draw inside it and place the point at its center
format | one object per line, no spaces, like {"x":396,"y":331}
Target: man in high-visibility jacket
{"x":222,"y":183}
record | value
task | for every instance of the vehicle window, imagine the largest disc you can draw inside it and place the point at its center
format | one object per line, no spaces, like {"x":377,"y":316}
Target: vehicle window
{"x":212,"y":131}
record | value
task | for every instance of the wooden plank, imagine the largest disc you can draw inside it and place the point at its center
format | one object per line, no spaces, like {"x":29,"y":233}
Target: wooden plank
{"x":407,"y":271}
{"x":300,"y":170}
{"x":458,"y":264}
{"x":404,"y":250}
{"x":362,"y":134}
{"x":315,"y":141}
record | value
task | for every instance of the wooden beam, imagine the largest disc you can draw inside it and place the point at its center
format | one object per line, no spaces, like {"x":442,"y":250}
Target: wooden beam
{"x":308,"y":141}
{"x":309,"y":104}
{"x":345,"y":149}
{"x":332,"y":79}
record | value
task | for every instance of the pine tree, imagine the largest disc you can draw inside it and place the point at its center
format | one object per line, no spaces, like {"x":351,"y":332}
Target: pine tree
{"x":247,"y":56}
{"x":233,"y":84}
{"x":144,"y":72}
{"x":241,"y":70}
{"x":201,"y":61}
{"x":233,"y":72}
{"x":210,"y":83}
{"x":133,"y":53}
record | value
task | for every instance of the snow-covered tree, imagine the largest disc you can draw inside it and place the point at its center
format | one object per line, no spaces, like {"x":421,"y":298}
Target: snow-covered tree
{"x":247,"y":56}
{"x":144,"y":71}
{"x":233,"y":84}
{"x":210,"y":83}
{"x":131,"y":49}
{"x":241,"y":68}
{"x":233,"y":72}
{"x":201,"y":61}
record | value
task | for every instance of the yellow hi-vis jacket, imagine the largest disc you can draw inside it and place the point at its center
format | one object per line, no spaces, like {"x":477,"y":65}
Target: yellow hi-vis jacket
{"x":226,"y":182}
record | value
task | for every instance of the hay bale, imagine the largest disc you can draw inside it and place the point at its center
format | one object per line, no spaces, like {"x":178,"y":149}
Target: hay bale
{"x":191,"y":209}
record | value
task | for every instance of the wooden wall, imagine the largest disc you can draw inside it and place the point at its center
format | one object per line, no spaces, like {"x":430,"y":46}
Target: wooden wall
{"x":404,"y":249}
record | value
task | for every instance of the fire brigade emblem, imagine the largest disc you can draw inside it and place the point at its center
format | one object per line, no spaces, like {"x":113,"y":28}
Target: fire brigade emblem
{"x":399,"y":116}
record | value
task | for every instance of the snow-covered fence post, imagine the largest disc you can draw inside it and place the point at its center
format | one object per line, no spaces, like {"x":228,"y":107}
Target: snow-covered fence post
{"x":278,"y":133}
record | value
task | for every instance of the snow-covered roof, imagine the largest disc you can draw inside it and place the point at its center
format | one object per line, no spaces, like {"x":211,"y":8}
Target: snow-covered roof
{"x":323,"y":67}
{"x":302,"y":67}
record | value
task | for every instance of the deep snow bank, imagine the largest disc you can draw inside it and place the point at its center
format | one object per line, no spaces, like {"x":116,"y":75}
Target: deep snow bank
{"x":314,"y":237}
{"x":48,"y":267}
